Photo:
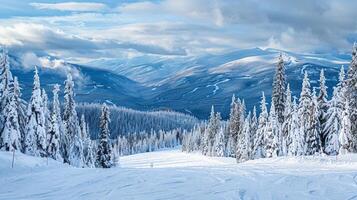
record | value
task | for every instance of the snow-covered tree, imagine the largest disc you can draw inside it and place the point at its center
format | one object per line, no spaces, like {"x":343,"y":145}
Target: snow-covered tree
{"x":272,"y":134}
{"x":211,"y":131}
{"x":5,"y":90}
{"x":279,"y":85}
{"x":345,"y":135}
{"x":56,"y":109}
{"x":219,"y":143}
{"x":21,"y":110}
{"x":76,"y":156}
{"x":313,"y":141}
{"x":87,"y":144}
{"x":11,"y":135}
{"x":297,"y":144}
{"x":35,"y":140}
{"x":259,"y":141}
{"x":45,"y":109}
{"x":243,"y":144}
{"x":285,"y":130}
{"x":305,"y":110}
{"x":104,"y":151}
{"x":234,"y":125}
{"x":71,"y":124}
{"x":333,"y":124}
{"x":253,"y":131}
{"x":323,"y":107}
{"x":351,"y":86}
{"x":53,"y":138}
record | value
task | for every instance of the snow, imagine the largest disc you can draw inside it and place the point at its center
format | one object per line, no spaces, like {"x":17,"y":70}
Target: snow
{"x":172,"y":174}
{"x":216,"y":87}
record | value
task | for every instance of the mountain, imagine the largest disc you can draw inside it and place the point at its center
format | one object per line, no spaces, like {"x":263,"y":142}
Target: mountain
{"x":192,"y":85}
{"x":189,"y":84}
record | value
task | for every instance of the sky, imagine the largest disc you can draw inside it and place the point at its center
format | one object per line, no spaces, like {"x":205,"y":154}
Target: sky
{"x":81,"y":31}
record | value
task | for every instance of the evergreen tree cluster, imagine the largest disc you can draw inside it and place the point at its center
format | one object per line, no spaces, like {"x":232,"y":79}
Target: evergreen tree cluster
{"x":311,"y":125}
{"x":55,"y":131}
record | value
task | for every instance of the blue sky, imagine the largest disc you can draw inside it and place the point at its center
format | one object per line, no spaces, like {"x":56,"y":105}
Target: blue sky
{"x":80,"y":31}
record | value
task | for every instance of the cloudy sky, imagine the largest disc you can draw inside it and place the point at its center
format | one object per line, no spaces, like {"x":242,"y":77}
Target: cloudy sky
{"x":83,"y":30}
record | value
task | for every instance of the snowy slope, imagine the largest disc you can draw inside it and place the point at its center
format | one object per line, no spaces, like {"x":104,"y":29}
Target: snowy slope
{"x":172,"y":174}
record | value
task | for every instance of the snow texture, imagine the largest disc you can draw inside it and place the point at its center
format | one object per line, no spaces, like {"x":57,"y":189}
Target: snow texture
{"x":173,"y":174}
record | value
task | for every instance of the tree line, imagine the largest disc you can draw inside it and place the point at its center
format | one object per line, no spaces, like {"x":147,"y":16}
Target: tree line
{"x":310,"y":125}
{"x":55,"y":131}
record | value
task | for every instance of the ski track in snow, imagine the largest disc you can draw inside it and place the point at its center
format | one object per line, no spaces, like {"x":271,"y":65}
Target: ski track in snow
{"x":216,"y":87}
{"x":172,"y":174}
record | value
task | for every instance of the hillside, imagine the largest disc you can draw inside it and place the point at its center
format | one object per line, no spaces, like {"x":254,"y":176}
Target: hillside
{"x":172,"y":174}
{"x":186,"y":84}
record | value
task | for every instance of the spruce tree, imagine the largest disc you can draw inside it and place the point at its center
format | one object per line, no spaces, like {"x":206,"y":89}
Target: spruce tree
{"x":297,"y":144}
{"x":351,"y":86}
{"x":243,"y":143}
{"x":219,"y":143}
{"x":21,"y":111}
{"x":71,"y":125}
{"x":279,"y":85}
{"x":253,"y":131}
{"x":345,"y":135}
{"x":35,"y":141}
{"x":271,"y":134}
{"x":234,"y":125}
{"x":11,"y":135}
{"x":333,"y":124}
{"x":313,"y":141}
{"x":305,"y":108}
{"x":104,"y":151}
{"x":259,"y":142}
{"x":53,"y":138}
{"x":5,"y":90}
{"x":285,"y":130}
{"x":322,"y":107}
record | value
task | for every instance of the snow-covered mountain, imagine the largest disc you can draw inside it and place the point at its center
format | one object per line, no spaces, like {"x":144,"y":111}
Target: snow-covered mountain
{"x":192,"y":84}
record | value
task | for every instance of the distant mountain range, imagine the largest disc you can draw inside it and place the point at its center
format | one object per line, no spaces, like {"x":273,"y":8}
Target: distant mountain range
{"x":186,"y":84}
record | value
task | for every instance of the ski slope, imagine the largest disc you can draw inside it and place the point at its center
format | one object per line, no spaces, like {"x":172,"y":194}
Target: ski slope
{"x":172,"y":174}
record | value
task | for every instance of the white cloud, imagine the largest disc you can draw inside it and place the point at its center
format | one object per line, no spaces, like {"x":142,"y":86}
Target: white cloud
{"x":71,"y":6}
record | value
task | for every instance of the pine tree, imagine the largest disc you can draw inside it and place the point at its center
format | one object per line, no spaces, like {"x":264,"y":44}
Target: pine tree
{"x":305,"y":108}
{"x":285,"y":132}
{"x":297,"y":144}
{"x":259,"y":142}
{"x":279,"y":84}
{"x":21,"y":111}
{"x":211,"y":131}
{"x":243,"y":144}
{"x":53,"y":138}
{"x":333,"y":124}
{"x":5,"y":90}
{"x":351,"y":86}
{"x":234,"y":126}
{"x":271,"y":134}
{"x":219,"y":143}
{"x":104,"y":151}
{"x":87,"y":144}
{"x":323,"y":107}
{"x":313,"y":141}
{"x":345,"y":135}
{"x":11,"y":135}
{"x":46,"y":111}
{"x":71,"y":125}
{"x":253,"y":131}
{"x":56,"y":109}
{"x":35,"y":141}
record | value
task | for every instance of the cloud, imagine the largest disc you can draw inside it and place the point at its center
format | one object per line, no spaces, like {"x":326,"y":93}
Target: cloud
{"x":185,"y":27}
{"x":71,"y":6}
